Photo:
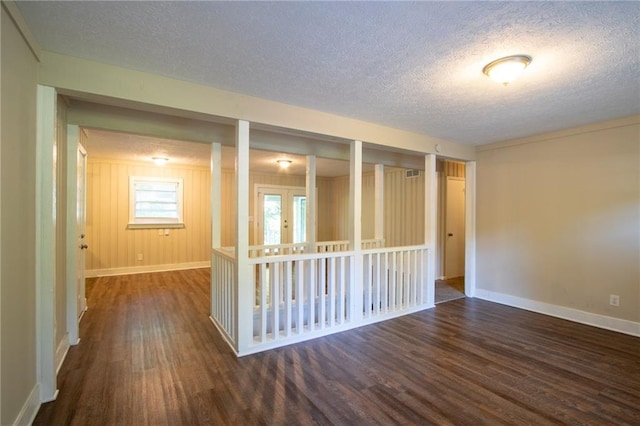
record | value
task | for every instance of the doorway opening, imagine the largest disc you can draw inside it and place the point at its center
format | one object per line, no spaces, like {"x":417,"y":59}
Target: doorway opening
{"x":450,"y":283}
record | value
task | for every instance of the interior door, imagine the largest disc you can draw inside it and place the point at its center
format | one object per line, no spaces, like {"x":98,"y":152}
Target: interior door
{"x":282,"y":215}
{"x":454,"y":226}
{"x":81,"y":222}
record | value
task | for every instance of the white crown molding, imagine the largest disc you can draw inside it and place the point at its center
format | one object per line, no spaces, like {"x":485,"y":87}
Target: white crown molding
{"x":596,"y":127}
{"x":11,"y":8}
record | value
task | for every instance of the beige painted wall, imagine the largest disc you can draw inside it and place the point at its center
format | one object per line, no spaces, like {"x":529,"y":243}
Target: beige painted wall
{"x":18,"y":71}
{"x":558,"y":219}
{"x":112,"y":245}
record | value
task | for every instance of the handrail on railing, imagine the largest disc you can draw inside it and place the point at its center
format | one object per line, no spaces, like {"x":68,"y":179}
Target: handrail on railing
{"x":301,"y":256}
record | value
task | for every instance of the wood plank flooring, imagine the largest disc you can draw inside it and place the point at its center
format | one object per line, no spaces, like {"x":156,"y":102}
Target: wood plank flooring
{"x":149,"y":355}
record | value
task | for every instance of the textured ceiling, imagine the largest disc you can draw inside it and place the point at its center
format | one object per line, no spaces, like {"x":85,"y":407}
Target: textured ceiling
{"x":410,"y":65}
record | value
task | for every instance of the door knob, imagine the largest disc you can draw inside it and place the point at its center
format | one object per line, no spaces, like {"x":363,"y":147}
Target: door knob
{"x":83,"y":246}
{"x":450,"y":234}
{"x":81,"y":235}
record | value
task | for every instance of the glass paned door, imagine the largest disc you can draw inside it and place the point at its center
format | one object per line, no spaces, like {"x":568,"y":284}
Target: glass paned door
{"x":282,"y":213}
{"x":272,"y":219}
{"x":299,"y":219}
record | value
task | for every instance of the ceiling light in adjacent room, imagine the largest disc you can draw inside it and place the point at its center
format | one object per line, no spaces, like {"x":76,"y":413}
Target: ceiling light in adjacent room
{"x":284,"y":163}
{"x":160,"y":161}
{"x":507,"y":69}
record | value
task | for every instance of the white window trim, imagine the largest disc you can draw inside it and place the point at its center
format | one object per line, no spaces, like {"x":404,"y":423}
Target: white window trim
{"x":155,"y":223}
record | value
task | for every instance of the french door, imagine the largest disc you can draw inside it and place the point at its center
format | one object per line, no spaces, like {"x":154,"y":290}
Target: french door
{"x":281,"y":215}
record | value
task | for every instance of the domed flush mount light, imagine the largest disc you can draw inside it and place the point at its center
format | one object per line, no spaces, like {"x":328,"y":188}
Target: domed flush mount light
{"x":160,"y":161}
{"x":507,"y":69}
{"x":284,"y":163}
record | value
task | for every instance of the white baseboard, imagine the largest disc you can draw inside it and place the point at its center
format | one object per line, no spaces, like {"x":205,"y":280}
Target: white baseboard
{"x":92,"y":273}
{"x":30,"y":408}
{"x":600,"y":321}
{"x":61,"y":352}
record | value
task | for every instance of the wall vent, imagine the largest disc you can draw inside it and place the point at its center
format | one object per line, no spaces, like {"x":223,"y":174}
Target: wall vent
{"x":410,"y":173}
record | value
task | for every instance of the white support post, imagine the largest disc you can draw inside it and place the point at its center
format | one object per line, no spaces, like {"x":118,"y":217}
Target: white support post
{"x":244,"y":290}
{"x":216,"y":195}
{"x":355,"y":231}
{"x":312,"y":208}
{"x":73,"y":139}
{"x":45,"y":258}
{"x":470,"y":229}
{"x":378,"y":210}
{"x":430,"y":222}
{"x":216,"y":218}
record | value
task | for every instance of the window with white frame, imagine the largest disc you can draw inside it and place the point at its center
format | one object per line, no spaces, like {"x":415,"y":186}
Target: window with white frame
{"x":155,"y":202}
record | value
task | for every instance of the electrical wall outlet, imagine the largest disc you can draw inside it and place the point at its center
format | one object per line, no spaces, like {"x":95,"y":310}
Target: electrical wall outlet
{"x":160,"y":232}
{"x":166,"y":232}
{"x":140,"y":257}
{"x":614,"y":300}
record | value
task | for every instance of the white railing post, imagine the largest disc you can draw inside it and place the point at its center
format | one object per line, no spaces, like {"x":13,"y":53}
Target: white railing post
{"x":355,"y":232}
{"x":244,"y":294}
{"x":430,"y":224}
{"x":312,"y":208}
{"x":216,"y":212}
{"x":378,"y":210}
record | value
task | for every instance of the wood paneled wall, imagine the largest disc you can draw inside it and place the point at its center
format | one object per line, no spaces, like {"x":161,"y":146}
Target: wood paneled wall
{"x":112,"y":245}
{"x":403,"y":208}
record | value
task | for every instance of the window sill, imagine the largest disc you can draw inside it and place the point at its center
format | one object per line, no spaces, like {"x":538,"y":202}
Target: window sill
{"x":172,"y":225}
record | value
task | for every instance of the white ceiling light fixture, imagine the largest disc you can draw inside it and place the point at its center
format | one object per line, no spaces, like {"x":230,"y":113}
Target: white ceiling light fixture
{"x":507,"y":69}
{"x":284,"y":163}
{"x":160,"y":161}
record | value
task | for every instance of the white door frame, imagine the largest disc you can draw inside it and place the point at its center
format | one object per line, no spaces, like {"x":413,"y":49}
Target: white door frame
{"x":45,"y":258}
{"x":257,"y":216}
{"x":73,"y":147}
{"x":470,"y":229}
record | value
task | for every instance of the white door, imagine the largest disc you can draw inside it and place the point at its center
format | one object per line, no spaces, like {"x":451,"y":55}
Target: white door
{"x":81,"y":222}
{"x":454,"y":227}
{"x":281,"y":214}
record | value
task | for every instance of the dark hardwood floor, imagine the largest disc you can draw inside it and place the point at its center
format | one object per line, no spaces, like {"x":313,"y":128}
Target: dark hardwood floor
{"x":149,"y":355}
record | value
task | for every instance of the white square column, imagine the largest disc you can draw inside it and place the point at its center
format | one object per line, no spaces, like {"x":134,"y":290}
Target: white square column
{"x":430,"y":223}
{"x":243,"y":274}
{"x":355,"y":231}
{"x":378,"y":210}
{"x":312,"y":208}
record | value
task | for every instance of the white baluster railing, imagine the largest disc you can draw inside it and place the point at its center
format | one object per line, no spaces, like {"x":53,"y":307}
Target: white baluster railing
{"x":394,"y":279}
{"x":223,"y":293}
{"x":300,"y":294}
{"x":305,"y":295}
